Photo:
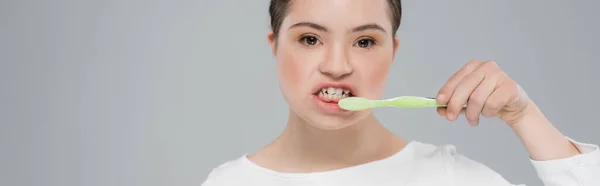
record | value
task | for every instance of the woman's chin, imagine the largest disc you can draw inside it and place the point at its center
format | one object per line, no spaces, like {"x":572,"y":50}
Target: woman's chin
{"x":334,"y":122}
{"x":323,"y":120}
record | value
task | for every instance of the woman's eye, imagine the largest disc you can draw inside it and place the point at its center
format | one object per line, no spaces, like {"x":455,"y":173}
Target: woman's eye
{"x":310,"y":40}
{"x":365,"y":43}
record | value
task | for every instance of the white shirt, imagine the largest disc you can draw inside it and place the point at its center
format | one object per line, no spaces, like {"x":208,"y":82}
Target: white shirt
{"x":418,"y":164}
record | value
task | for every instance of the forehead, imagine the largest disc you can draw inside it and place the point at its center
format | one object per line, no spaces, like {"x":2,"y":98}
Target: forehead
{"x":339,"y":14}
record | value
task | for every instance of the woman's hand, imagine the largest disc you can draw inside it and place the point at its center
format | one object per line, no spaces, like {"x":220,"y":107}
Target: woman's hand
{"x":486,"y":90}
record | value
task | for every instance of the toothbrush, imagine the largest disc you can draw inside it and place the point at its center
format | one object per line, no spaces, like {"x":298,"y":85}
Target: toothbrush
{"x":358,"y":103}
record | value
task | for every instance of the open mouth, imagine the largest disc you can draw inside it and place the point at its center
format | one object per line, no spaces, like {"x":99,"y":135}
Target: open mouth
{"x":332,"y":93}
{"x":327,"y":95}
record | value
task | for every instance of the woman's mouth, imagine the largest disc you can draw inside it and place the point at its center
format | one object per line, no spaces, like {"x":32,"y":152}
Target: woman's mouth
{"x":333,"y":94}
{"x":327,"y":98}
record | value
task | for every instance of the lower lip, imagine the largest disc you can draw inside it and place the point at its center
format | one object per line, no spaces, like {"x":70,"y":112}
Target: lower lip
{"x":328,"y":107}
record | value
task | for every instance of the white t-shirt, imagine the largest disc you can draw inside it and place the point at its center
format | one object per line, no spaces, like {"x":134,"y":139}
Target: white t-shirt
{"x":418,"y":164}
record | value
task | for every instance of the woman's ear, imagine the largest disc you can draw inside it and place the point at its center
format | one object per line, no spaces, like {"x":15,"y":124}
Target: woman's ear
{"x":396,"y":44}
{"x":272,"y":41}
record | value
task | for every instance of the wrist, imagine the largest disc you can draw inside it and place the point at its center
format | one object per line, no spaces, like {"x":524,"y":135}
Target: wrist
{"x":541,"y":138}
{"x":526,"y":114}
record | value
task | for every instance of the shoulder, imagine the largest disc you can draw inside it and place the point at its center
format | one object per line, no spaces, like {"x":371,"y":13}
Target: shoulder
{"x":227,"y":173}
{"x":456,"y":166}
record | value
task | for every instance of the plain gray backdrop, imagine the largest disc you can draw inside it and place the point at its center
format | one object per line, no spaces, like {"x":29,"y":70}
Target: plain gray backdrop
{"x":132,"y":92}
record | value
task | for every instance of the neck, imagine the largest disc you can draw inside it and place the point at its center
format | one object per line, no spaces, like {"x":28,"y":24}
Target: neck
{"x":307,"y":148}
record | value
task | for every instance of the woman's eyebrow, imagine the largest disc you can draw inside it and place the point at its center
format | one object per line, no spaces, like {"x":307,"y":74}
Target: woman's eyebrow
{"x":367,"y":27}
{"x":355,"y":29}
{"x":311,"y":25}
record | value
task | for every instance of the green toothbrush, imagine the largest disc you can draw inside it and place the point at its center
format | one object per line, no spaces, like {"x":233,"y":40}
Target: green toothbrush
{"x":358,"y":103}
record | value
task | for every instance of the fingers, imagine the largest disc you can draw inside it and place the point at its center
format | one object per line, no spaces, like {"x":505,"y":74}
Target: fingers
{"x":442,"y":111}
{"x":448,"y":89}
{"x":478,"y":99}
{"x":462,"y":93}
{"x":478,"y":86}
{"x":497,"y":100}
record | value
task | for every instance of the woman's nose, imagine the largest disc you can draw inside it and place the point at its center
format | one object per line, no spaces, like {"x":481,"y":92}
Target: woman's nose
{"x":337,"y":64}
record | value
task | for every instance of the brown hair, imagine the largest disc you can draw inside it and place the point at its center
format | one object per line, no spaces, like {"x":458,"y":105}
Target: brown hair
{"x":278,"y":10}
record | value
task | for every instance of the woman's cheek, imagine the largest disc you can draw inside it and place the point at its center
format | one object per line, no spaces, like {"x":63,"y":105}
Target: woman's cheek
{"x":378,"y":78}
{"x":375,"y":67}
{"x":288,"y":70}
{"x":294,"y":71}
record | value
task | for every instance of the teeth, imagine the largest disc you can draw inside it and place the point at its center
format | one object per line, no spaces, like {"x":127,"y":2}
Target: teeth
{"x":331,"y":90}
{"x":338,"y":91}
{"x":332,"y":93}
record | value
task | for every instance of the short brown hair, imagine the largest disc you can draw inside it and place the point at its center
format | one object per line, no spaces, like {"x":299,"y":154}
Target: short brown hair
{"x":278,"y":9}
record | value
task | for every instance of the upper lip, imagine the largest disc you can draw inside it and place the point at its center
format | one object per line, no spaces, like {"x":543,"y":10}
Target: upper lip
{"x":346,"y":86}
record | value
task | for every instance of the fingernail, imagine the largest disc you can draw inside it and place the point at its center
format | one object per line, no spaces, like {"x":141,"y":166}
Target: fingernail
{"x":440,"y":98}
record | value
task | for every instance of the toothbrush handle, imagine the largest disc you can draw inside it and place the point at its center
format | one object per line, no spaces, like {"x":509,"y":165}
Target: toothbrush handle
{"x":444,"y":105}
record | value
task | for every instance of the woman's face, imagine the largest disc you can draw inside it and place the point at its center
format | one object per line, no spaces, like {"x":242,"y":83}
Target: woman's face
{"x":328,"y":50}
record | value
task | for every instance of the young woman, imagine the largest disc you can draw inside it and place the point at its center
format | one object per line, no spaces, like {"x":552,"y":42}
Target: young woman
{"x":330,"y":49}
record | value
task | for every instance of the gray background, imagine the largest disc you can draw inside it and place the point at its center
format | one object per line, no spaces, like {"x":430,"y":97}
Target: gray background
{"x":126,"y":92}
